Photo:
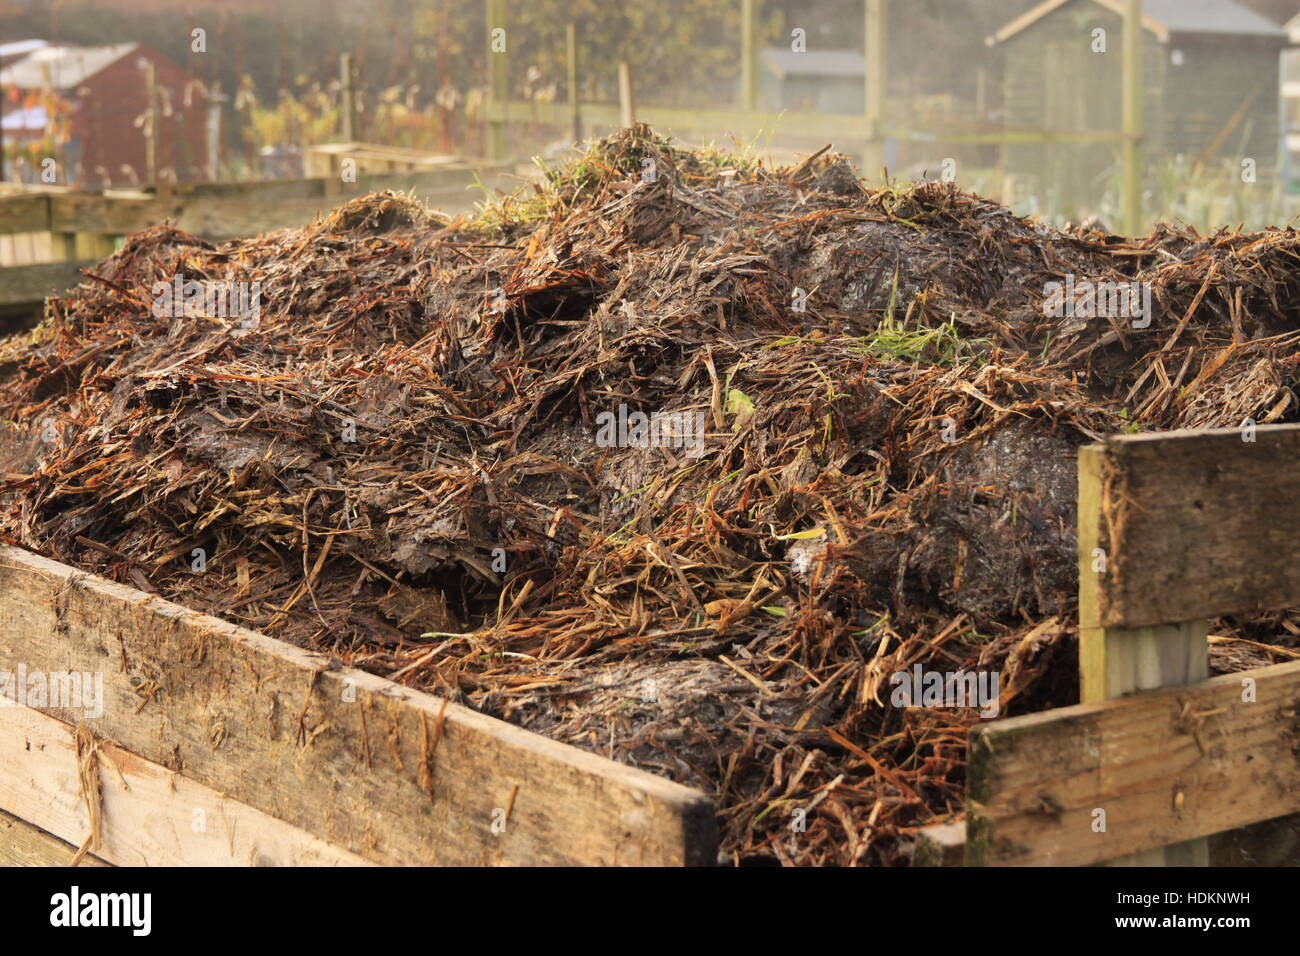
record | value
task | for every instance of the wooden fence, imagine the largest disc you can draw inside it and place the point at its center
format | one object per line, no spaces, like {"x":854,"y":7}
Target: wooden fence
{"x":1174,"y":529}
{"x":867,"y":132}
{"x":82,"y":227}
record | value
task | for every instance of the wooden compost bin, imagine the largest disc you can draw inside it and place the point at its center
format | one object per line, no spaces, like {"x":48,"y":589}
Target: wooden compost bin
{"x":1174,"y":528}
{"x":217,"y":745}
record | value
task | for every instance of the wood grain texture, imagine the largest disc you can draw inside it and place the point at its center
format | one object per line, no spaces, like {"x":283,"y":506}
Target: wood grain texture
{"x":1270,"y":843}
{"x":23,"y":285}
{"x":150,"y":816}
{"x":22,"y":844}
{"x":1166,"y":766}
{"x":24,"y":212}
{"x":392,"y":774}
{"x":1197,"y":524}
{"x":1114,"y":661}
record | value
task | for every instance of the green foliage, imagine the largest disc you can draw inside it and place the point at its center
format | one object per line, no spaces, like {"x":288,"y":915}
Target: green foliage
{"x":941,"y":345}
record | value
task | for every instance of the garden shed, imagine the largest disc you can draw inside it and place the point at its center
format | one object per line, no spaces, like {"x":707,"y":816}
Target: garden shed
{"x":1211,"y":76}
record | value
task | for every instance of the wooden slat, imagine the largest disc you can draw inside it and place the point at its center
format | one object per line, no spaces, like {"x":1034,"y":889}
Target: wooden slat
{"x":1117,"y":660}
{"x":223,"y":211}
{"x":29,"y":212}
{"x":1197,"y":524}
{"x":839,"y":128}
{"x":150,"y":816}
{"x":1271,"y":843}
{"x":26,"y":285}
{"x":1165,"y":766}
{"x":387,"y":772}
{"x":1114,"y":661}
{"x":22,"y":844}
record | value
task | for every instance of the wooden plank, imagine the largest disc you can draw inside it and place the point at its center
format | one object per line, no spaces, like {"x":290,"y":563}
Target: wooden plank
{"x":24,"y":212}
{"x":1270,"y":843}
{"x":392,"y":774}
{"x":228,"y":218}
{"x":1197,"y":524}
{"x":110,"y":214}
{"x":29,"y":285}
{"x":22,"y":844}
{"x":1117,"y":660}
{"x":1114,"y":661}
{"x":149,"y":815}
{"x":840,"y":129}
{"x":1164,"y":766}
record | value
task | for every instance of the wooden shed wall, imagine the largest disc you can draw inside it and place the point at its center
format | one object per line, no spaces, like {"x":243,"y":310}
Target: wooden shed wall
{"x":1053,"y":80}
{"x":1217,"y":83}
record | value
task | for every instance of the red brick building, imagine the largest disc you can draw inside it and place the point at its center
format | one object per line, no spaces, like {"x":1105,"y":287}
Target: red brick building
{"x":103,"y":92}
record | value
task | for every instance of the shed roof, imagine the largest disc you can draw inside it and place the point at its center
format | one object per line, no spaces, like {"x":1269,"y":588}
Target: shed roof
{"x":20,"y":47}
{"x":1292,"y":28}
{"x":816,"y":63}
{"x":61,"y":66}
{"x":1165,"y":17}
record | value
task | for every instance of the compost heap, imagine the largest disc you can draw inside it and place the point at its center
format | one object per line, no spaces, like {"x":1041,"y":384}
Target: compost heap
{"x":887,"y":476}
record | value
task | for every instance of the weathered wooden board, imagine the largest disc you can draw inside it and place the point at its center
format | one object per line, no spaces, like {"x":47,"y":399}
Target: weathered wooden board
{"x":20,"y":285}
{"x":149,"y":815}
{"x":22,"y":844}
{"x":1270,"y":843}
{"x":225,"y":210}
{"x":1196,"y":524}
{"x":392,"y":774}
{"x":24,"y":212}
{"x":1114,"y":661}
{"x":1165,"y":766}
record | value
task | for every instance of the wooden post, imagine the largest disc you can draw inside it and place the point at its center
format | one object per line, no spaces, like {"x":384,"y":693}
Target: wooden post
{"x":1114,"y":661}
{"x":626,"y":103}
{"x":874,"y":79}
{"x":151,"y":123}
{"x":748,"y":65}
{"x":571,"y":45}
{"x":498,"y":67}
{"x":65,"y":245}
{"x":1132,"y":74}
{"x":213,"y":131}
{"x":347,"y":99}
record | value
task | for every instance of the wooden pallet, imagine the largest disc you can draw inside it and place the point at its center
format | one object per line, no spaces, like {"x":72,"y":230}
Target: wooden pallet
{"x":217,"y":745}
{"x":1174,"y":528}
